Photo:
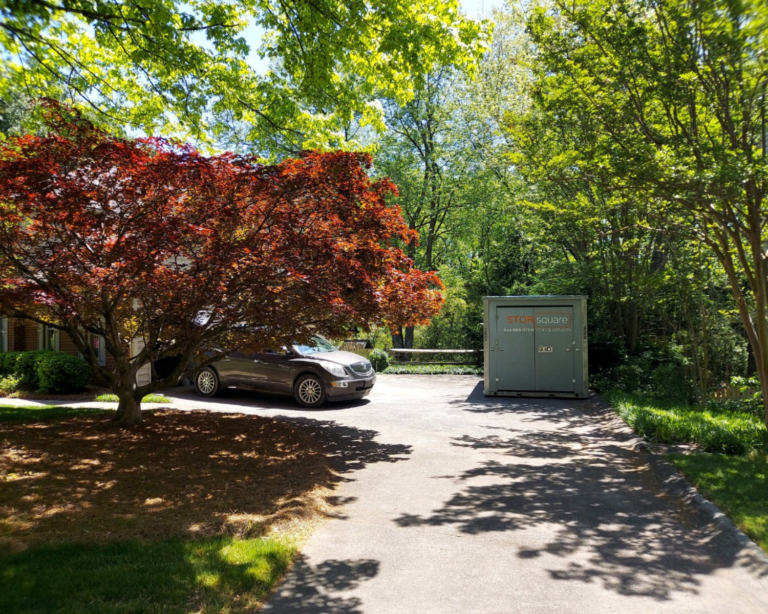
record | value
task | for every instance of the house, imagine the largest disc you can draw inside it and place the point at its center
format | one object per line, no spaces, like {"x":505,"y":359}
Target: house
{"x":18,"y":335}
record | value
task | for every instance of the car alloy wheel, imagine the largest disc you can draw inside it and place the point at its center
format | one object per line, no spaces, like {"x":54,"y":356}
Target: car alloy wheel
{"x":207,"y":383}
{"x":309,"y":391}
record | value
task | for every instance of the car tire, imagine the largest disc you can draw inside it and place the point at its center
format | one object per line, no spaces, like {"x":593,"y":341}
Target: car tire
{"x":207,"y":382}
{"x":309,"y":391}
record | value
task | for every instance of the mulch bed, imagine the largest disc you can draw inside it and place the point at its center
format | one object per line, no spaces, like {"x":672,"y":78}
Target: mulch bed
{"x":181,"y":473}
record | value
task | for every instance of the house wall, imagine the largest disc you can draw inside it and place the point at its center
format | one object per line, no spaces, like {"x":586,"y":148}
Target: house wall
{"x":22,"y":337}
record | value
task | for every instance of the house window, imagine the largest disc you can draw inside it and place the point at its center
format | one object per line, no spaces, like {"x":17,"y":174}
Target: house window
{"x":97,"y":343}
{"x":3,"y":334}
{"x":47,"y":338}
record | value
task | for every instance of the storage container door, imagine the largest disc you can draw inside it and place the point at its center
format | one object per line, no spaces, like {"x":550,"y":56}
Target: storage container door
{"x":554,"y":349}
{"x":512,"y":350}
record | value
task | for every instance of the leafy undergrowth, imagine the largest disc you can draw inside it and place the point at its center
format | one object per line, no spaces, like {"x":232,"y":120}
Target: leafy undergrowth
{"x":722,"y":431}
{"x":737,"y":485}
{"x":150,"y":398}
{"x":193,"y":511}
{"x":416,"y":369}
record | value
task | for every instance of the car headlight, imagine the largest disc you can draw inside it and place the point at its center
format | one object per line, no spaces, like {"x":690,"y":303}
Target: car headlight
{"x":333,"y":368}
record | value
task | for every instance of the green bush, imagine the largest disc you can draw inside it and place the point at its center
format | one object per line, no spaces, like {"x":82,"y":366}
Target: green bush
{"x":26,"y":368}
{"x":660,"y":371}
{"x":9,"y":383}
{"x":61,"y":373}
{"x":8,"y":363}
{"x":379,"y":359}
{"x":416,"y":369}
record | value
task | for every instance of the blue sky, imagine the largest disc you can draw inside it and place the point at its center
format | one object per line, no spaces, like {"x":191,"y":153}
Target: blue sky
{"x":478,"y":9}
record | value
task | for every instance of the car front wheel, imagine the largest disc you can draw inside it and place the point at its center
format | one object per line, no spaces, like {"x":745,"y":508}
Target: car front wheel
{"x":207,"y":382}
{"x":309,"y":391}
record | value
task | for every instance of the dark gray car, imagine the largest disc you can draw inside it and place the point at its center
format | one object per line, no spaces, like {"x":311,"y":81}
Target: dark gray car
{"x":313,"y":374}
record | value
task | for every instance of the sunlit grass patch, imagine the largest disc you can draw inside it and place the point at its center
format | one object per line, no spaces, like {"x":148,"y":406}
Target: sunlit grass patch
{"x":723,"y":431}
{"x":215,"y":574}
{"x":150,"y":398}
{"x":737,"y":485}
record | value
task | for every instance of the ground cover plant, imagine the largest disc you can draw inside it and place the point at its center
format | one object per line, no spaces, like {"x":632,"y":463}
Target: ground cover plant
{"x":738,"y":485}
{"x":150,"y":398}
{"x":191,"y":512}
{"x":714,"y":430}
{"x":417,"y":369}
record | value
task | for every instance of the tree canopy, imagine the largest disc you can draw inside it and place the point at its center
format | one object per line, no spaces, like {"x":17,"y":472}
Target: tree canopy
{"x":188,"y":66}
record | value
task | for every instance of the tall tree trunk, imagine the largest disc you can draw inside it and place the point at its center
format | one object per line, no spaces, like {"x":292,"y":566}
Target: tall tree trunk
{"x":408,"y":341}
{"x":397,"y":337}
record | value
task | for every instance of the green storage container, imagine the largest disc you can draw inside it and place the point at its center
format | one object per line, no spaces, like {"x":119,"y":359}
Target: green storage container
{"x":535,"y":346}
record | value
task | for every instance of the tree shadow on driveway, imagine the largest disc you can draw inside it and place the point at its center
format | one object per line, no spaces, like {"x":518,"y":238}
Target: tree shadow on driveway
{"x":314,"y":589}
{"x":550,"y":408}
{"x":591,"y":507}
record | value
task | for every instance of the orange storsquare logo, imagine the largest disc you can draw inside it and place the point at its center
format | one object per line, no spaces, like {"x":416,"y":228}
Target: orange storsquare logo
{"x":543,"y":320}
{"x":519,"y":319}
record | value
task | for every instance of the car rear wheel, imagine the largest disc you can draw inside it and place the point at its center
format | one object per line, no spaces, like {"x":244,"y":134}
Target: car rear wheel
{"x":207,"y":382}
{"x":309,"y":391}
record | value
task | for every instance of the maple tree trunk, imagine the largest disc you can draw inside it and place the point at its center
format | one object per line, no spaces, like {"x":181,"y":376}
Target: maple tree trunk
{"x":408,"y":341}
{"x":128,"y":409}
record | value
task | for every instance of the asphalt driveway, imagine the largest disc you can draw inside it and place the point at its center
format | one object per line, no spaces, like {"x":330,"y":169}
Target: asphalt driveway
{"x":451,"y":502}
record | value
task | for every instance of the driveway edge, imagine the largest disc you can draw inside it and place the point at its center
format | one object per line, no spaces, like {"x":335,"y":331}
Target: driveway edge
{"x":676,"y":484}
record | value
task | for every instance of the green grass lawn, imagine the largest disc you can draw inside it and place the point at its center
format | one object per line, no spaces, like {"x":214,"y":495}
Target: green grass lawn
{"x":734,"y":475}
{"x":218,"y":574}
{"x":150,"y":398}
{"x":738,"y":485}
{"x":11,"y":413}
{"x":722,"y":431}
{"x":171,"y":573}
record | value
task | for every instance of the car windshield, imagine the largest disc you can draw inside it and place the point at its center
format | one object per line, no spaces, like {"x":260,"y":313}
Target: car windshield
{"x":318,"y":345}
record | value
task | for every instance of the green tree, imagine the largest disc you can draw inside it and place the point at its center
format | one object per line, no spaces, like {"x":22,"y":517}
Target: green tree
{"x":181,"y":66}
{"x":674,"y":94}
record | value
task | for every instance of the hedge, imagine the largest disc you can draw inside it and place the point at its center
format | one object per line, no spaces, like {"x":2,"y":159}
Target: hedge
{"x":62,"y":373}
{"x":26,"y":368}
{"x":45,"y":370}
{"x":8,"y":363}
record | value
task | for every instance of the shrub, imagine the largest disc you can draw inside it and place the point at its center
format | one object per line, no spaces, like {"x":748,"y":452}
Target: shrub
{"x":417,"y":369}
{"x":379,"y":359}
{"x":61,"y":373}
{"x":26,"y":368}
{"x":9,"y":384}
{"x":8,"y":363}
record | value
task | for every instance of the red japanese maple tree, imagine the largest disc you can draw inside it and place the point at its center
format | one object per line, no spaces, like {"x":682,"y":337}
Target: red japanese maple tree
{"x":150,"y":239}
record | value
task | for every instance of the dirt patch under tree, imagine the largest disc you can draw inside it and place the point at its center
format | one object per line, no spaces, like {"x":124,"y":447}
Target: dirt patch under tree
{"x":182,"y":473}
